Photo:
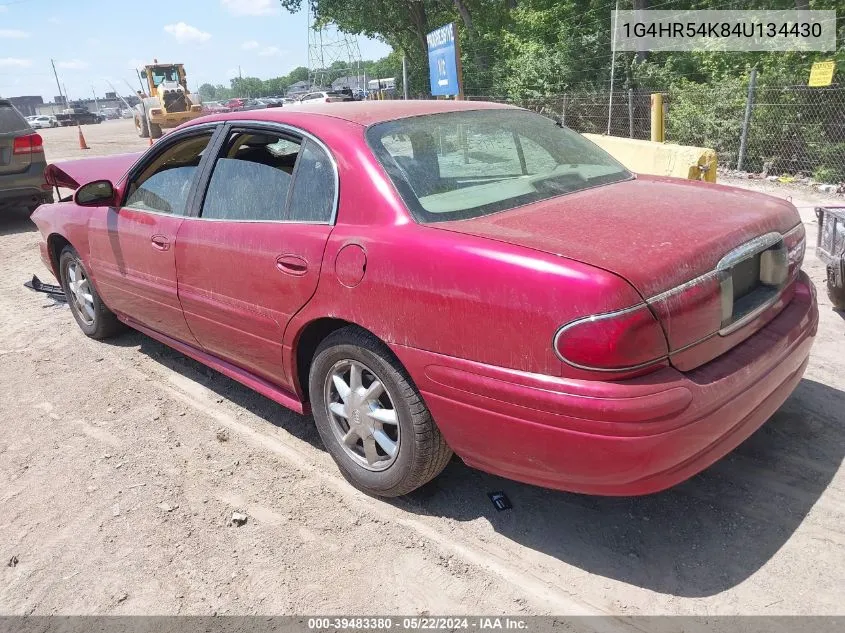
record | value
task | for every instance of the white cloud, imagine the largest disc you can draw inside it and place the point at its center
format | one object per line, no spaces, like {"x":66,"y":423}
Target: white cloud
{"x":251,"y":7}
{"x":135,"y":63}
{"x":232,"y":73}
{"x":3,"y":9}
{"x":249,"y":45}
{"x":54,"y":20}
{"x":14,"y":62}
{"x":13,"y":34}
{"x":271,"y":51}
{"x":185,"y":33}
{"x":73,"y":64}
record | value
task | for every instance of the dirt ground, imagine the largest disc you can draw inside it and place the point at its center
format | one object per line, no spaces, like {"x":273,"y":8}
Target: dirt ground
{"x":121,"y":463}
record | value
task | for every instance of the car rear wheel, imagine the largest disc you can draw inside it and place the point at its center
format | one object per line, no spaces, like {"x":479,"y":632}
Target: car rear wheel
{"x":91,"y":314}
{"x":371,"y":418}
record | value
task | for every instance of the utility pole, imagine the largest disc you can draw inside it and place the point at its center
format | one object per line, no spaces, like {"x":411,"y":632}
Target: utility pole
{"x":58,"y":85}
{"x":96,"y":105}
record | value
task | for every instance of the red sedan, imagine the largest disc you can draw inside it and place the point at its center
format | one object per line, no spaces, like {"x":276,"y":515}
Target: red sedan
{"x":429,"y":277}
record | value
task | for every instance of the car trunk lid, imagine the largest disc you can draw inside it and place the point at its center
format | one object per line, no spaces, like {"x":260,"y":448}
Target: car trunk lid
{"x":72,"y":174}
{"x":659,"y":234}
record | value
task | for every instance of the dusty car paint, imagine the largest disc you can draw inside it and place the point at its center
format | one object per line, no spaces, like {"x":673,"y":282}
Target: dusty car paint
{"x":470,"y":308}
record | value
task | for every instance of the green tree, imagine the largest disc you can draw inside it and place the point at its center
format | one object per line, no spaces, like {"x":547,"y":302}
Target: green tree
{"x":207,"y":92}
{"x":300,"y":73}
{"x":247,"y":86}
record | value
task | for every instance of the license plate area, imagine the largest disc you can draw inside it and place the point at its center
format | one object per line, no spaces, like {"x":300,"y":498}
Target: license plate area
{"x":751,"y":278}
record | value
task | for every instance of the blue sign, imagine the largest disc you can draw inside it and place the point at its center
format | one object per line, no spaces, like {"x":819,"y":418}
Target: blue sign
{"x":442,"y":61}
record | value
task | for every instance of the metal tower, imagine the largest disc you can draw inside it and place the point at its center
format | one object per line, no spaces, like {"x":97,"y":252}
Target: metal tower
{"x":328,"y":45}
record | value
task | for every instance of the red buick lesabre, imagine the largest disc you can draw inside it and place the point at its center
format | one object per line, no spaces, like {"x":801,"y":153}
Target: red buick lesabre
{"x":429,"y":277}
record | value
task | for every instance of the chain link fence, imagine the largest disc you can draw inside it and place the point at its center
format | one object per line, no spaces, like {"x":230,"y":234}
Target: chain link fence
{"x":793,"y":130}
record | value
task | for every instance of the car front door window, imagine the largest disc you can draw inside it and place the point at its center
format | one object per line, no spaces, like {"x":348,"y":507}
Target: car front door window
{"x":163,"y":185}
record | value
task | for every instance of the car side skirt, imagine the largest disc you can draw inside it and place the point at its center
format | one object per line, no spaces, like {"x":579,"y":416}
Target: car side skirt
{"x":234,"y":372}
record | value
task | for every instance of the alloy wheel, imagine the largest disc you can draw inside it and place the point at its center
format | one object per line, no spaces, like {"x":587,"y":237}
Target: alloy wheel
{"x":80,"y":290}
{"x":363,"y":417}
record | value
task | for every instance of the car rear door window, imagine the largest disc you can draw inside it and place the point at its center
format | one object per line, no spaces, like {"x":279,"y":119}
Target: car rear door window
{"x":312,"y":197}
{"x":164,"y":185}
{"x":251,"y":180}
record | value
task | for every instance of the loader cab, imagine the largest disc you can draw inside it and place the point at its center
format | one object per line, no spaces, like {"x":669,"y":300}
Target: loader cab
{"x":168,"y":74}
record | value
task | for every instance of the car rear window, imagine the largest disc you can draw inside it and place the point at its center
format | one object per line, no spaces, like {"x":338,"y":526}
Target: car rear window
{"x":11,"y":120}
{"x":458,"y":165}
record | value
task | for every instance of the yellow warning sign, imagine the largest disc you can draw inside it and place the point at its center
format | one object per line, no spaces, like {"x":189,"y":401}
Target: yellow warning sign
{"x":821,"y":74}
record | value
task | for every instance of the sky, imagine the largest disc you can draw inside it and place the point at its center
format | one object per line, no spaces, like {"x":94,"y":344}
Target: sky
{"x":97,"y":41}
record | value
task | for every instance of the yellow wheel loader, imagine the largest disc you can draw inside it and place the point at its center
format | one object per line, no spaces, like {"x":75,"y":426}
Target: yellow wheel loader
{"x":167,"y":102}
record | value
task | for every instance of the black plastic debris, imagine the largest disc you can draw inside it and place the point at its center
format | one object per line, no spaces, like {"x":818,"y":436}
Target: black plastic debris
{"x":54,"y":292}
{"x":500,"y":501}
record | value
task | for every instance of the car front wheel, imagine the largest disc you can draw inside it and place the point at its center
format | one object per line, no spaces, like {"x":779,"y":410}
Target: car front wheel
{"x":836,"y":293}
{"x":91,"y":314}
{"x":371,"y":418}
{"x":141,"y":127}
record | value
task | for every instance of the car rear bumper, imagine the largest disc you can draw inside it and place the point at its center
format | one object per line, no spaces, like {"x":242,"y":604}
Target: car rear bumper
{"x":24,"y":188}
{"x":616,"y":438}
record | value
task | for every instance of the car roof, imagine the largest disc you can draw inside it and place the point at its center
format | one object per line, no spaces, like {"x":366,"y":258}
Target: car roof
{"x":364,"y":112}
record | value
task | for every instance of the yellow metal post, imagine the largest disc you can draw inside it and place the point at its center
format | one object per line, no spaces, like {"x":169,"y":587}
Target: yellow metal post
{"x":657,"y":122}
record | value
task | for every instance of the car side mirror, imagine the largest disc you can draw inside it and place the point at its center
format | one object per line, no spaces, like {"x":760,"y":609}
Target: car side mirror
{"x":99,"y":193}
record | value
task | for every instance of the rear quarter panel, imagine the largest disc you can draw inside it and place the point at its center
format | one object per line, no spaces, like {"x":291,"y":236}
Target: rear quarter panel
{"x":458,"y":295}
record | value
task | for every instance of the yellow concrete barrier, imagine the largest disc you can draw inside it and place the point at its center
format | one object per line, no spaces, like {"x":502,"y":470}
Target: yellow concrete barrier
{"x":660,"y":159}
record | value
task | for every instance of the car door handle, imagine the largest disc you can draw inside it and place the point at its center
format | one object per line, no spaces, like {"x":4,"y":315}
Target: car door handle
{"x":292,"y":265}
{"x":160,"y":242}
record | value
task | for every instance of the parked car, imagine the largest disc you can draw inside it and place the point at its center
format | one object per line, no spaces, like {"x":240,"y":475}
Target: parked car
{"x":439,"y":276}
{"x":830,"y":249}
{"x":235,"y":104}
{"x":78,"y":116}
{"x":324,"y":97}
{"x":22,"y":162}
{"x":41,"y":121}
{"x":214,"y":107}
{"x":272,"y":102}
{"x":253,"y":104}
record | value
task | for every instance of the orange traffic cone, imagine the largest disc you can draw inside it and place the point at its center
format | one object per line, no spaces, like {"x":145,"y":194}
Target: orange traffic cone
{"x":82,"y":144}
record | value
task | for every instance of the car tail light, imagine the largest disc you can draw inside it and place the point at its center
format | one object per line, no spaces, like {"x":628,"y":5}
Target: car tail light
{"x":615,"y":341}
{"x":29,"y":144}
{"x":795,"y":242}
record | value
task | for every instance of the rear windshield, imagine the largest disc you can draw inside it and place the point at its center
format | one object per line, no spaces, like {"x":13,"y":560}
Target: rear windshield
{"x":460,"y":165}
{"x":11,"y":120}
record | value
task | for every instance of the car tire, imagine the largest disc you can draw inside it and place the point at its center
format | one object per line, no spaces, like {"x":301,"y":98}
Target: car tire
{"x":155,"y":130}
{"x":141,"y":126}
{"x":836,"y":295}
{"x":420,"y":452}
{"x":92,"y":315}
